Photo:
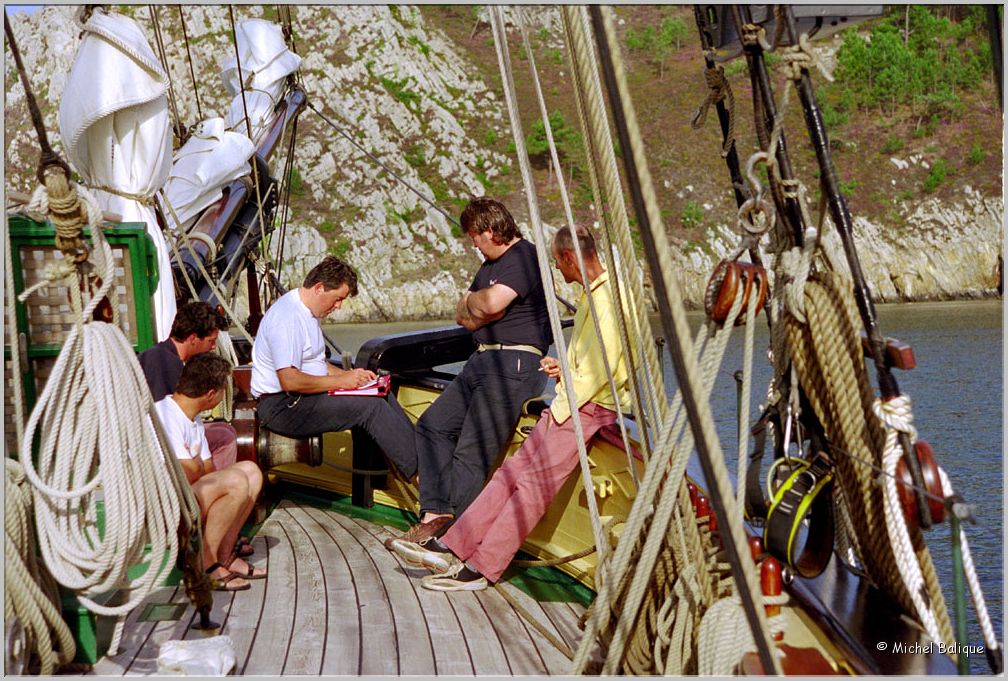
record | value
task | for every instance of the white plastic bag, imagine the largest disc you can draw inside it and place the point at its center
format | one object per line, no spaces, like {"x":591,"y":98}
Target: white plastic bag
{"x":212,"y":656}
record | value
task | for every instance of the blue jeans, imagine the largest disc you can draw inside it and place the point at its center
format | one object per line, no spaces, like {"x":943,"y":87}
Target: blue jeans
{"x":459,"y":437}
{"x":384,"y":420}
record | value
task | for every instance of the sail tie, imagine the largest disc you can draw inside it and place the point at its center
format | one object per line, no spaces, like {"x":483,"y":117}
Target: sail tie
{"x":718,"y":89}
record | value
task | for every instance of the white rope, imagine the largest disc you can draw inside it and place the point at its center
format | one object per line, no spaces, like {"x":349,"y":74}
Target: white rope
{"x":93,"y":445}
{"x":504,"y":62}
{"x":743,"y":414}
{"x":569,"y":213}
{"x":979,"y":604}
{"x":897,"y":416}
{"x":199,"y":264}
{"x":724,"y":635}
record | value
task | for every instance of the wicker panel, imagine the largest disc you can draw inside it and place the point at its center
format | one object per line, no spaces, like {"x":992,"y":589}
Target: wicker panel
{"x":49,"y":314}
{"x":10,"y":436}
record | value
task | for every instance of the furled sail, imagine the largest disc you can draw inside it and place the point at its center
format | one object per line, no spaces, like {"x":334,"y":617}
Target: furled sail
{"x":210,"y":159}
{"x":114,"y":121}
{"x":265,"y":62}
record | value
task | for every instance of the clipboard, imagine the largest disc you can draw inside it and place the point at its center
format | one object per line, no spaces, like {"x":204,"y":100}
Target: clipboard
{"x":376,"y":388}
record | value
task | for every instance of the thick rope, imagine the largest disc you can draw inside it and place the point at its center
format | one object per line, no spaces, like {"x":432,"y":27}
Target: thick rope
{"x":620,"y":256}
{"x":828,"y":357}
{"x":701,"y":417}
{"x":897,"y":415}
{"x":979,"y":604}
{"x":88,"y":421}
{"x":30,"y":593}
{"x":743,"y":414}
{"x":503,"y":60}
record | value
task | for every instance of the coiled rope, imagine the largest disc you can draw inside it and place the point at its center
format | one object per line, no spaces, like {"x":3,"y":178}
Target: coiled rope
{"x":30,"y":594}
{"x":91,"y":448}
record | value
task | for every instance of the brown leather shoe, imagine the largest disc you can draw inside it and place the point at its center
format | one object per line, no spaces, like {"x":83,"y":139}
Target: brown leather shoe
{"x":421,"y":532}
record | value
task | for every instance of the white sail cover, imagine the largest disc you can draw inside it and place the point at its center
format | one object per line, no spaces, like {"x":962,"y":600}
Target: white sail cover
{"x":114,"y":122}
{"x":210,"y":159}
{"x":265,"y":64}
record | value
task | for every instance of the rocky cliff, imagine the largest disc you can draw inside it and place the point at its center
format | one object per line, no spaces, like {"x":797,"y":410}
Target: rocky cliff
{"x":394,"y":81}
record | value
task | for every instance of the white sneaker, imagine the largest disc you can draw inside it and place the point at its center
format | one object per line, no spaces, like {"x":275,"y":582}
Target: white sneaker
{"x":450,"y":581}
{"x":435,"y":561}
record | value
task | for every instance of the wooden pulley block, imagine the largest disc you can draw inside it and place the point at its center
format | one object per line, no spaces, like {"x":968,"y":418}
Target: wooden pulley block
{"x":730,"y":279}
{"x":932,"y":483}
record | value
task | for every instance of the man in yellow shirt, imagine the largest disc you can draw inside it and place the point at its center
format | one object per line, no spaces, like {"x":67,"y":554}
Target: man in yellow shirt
{"x":481,"y":543}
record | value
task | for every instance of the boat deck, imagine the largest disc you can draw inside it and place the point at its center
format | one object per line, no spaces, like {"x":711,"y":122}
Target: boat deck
{"x":337,"y":602}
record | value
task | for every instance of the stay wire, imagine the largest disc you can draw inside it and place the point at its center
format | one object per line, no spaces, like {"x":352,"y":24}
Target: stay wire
{"x":192,"y":72}
{"x":384,"y":167}
{"x":158,"y":38}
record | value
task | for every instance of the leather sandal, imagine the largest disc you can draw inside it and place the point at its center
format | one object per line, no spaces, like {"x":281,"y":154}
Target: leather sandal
{"x":243,"y":547}
{"x":225,"y":583}
{"x":248,"y":574}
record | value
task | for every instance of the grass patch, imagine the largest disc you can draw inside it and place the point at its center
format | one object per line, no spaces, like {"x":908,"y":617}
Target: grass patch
{"x":937,"y":174}
{"x":892,"y":145}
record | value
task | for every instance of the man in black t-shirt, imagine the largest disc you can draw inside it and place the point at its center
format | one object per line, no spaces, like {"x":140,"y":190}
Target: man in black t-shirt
{"x":461,"y":434}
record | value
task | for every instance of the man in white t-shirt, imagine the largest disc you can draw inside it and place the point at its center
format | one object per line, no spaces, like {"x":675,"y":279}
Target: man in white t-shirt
{"x":226,"y":496}
{"x":291,"y":376}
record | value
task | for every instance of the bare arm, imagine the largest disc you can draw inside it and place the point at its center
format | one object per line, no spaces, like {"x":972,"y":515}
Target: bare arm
{"x":193,"y":469}
{"x":296,"y":381}
{"x":476,"y":309}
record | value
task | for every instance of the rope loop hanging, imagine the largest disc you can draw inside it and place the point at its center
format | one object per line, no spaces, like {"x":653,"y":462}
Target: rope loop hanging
{"x":718,"y":89}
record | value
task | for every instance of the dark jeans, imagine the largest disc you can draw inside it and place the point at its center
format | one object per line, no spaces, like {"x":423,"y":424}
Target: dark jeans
{"x":461,"y":434}
{"x":306,"y":415}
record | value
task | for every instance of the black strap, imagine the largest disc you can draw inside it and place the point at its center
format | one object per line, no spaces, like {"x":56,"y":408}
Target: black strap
{"x":807,"y":493}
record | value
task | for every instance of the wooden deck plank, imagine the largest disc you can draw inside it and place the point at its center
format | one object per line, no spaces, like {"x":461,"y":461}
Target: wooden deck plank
{"x":379,"y":653}
{"x":135,"y":634}
{"x":269,"y":647}
{"x":451,"y":657}
{"x":517,"y":643}
{"x":309,"y":632}
{"x":247,"y":607}
{"x":341,"y":649}
{"x":413,"y":643}
{"x":555,"y":660}
{"x":336,"y":602}
{"x":481,"y":639}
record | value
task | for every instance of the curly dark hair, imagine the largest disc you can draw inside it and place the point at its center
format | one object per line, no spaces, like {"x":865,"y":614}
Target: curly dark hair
{"x":332,"y":272}
{"x":203,"y":373}
{"x":196,"y":317}
{"x":484,"y":213}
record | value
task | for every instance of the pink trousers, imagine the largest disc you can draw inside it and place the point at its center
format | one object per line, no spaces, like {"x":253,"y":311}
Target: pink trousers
{"x":494,"y":526}
{"x":223,"y":441}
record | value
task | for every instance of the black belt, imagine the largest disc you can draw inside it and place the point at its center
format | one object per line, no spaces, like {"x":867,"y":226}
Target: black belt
{"x":283,"y":393}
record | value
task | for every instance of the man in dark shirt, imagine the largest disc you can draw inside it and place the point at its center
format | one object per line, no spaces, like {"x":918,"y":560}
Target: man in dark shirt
{"x":459,"y":437}
{"x":194,"y":331}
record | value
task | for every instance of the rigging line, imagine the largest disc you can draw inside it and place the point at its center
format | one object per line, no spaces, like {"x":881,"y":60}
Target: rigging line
{"x":156,"y":25}
{"x":192,"y":73}
{"x":676,"y":330}
{"x":566,"y":303}
{"x":48,"y":157}
{"x":569,"y":213}
{"x":384,"y":167}
{"x":248,"y":128}
{"x":510,"y":96}
{"x":288,"y":168}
